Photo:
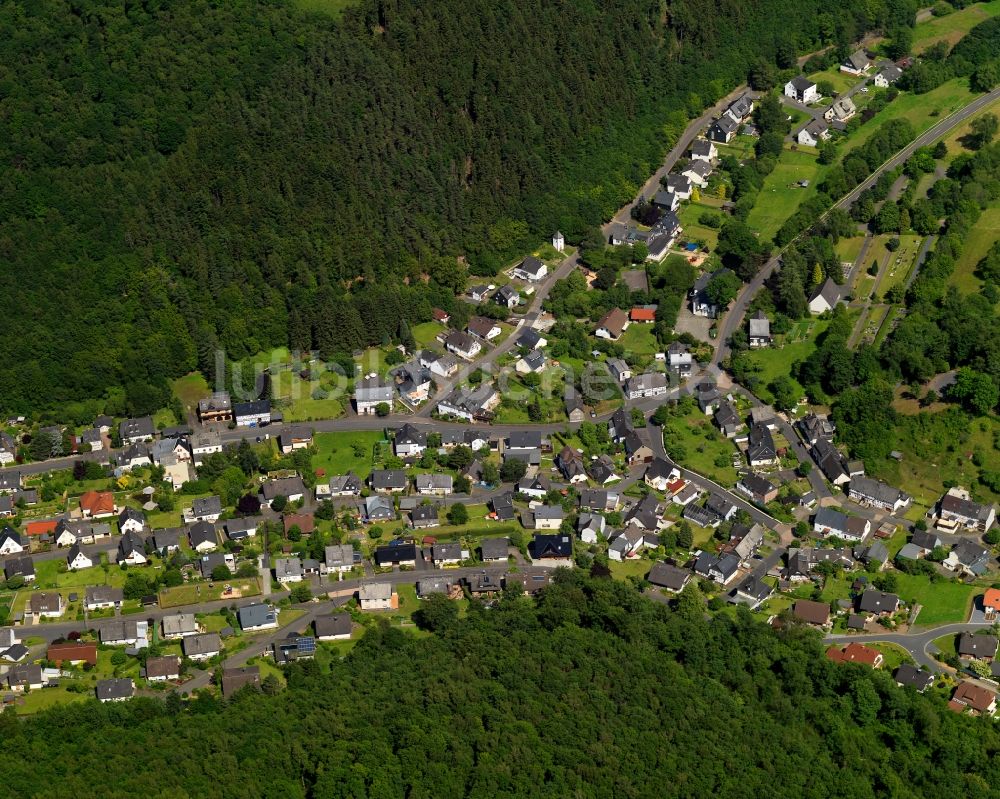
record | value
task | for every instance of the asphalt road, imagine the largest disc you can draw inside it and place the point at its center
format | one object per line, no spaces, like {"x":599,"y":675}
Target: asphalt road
{"x":916,"y":643}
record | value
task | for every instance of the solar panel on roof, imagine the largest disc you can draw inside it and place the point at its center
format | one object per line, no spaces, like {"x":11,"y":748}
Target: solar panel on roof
{"x":306,"y":645}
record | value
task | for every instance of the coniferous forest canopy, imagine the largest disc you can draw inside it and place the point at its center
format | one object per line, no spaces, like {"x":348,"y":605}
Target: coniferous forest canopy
{"x":595,"y":692}
{"x":176,"y":177}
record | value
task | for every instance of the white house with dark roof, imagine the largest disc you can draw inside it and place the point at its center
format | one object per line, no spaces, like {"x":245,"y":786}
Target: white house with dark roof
{"x":723,"y":130}
{"x":369,"y":393}
{"x":876,"y":494}
{"x":530,"y":269}
{"x":887,"y":76}
{"x":857,"y":63}
{"x":813,"y":132}
{"x":652,"y":384}
{"x":825,"y":298}
{"x":802,"y":89}
{"x":956,"y":511}
{"x":703,"y":150}
{"x":463,"y":345}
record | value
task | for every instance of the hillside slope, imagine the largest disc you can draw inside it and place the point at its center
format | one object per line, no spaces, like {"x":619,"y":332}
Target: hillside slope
{"x":180,"y":177}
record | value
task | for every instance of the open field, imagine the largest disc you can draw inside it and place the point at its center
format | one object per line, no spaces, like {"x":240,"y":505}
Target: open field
{"x":639,"y":339}
{"x":425,"y":334}
{"x":840,"y":81}
{"x":693,"y":229}
{"x":295,"y":396}
{"x":893,"y":655}
{"x":776,"y":361}
{"x":940,"y":602}
{"x":636,"y":567}
{"x":339,"y":453}
{"x":780,"y":196}
{"x":201,"y":592}
{"x":189,"y":389}
{"x":848,"y":250}
{"x":984,"y":233}
{"x":922,"y":110}
{"x":952,"y":27}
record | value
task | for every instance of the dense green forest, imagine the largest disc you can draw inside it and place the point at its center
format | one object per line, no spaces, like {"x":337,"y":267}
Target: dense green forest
{"x":596,"y":691}
{"x":181,"y":176}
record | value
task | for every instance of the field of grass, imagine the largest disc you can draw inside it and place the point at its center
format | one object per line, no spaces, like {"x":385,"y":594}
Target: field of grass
{"x":335,"y":452}
{"x":703,"y":443}
{"x":983,"y":235}
{"x":189,"y":389}
{"x":295,"y":396}
{"x":36,"y":701}
{"x":780,"y":197}
{"x":639,"y":339}
{"x":941,"y":602}
{"x":893,"y":655}
{"x":778,"y":360}
{"x":638,"y":567}
{"x":48,"y":575}
{"x":200,"y":592}
{"x":922,"y":110}
{"x":425,"y":334}
{"x":952,"y":27}
{"x":848,"y":250}
{"x":840,"y":81}
{"x":694,"y":230}
{"x":948,"y":646}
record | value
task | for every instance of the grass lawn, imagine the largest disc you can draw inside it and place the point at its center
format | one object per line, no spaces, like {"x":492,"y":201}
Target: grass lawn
{"x":952,"y":27}
{"x":848,"y":250}
{"x":36,"y":701}
{"x":339,"y":453}
{"x":940,"y":602}
{"x":923,"y":110}
{"x":639,"y":340}
{"x":841,"y":81}
{"x":295,"y":396}
{"x":189,"y":389}
{"x":48,"y":575}
{"x":213,"y":622}
{"x":893,"y":656}
{"x":200,"y":592}
{"x":638,"y":567}
{"x":947,"y":644}
{"x":703,"y":443}
{"x":425,"y":334}
{"x":983,"y":235}
{"x":780,"y":197}
{"x":778,"y":360}
{"x":693,"y":229}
